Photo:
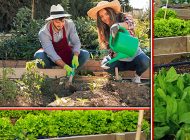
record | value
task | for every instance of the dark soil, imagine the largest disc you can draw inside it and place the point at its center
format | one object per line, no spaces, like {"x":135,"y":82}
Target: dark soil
{"x":97,"y":91}
{"x":180,"y":68}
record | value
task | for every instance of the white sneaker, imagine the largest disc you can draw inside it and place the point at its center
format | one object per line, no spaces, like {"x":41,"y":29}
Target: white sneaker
{"x":136,"y":79}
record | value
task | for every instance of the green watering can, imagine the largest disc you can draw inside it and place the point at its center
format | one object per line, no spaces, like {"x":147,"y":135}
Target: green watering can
{"x":123,"y":44}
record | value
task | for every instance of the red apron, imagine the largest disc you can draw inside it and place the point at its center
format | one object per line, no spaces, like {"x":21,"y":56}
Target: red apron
{"x":62,"y":48}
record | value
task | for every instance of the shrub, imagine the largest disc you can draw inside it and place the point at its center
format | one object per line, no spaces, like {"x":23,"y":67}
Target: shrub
{"x":6,"y":129}
{"x":142,"y":29}
{"x":86,"y":29}
{"x":64,"y":123}
{"x":32,"y":81}
{"x":21,"y":113}
{"x":169,"y":14}
{"x":171,"y":27}
{"x":8,"y":88}
{"x":24,"y":41}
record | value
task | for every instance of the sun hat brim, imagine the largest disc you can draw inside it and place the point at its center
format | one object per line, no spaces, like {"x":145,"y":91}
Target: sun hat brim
{"x":57,"y":16}
{"x":115,"y":5}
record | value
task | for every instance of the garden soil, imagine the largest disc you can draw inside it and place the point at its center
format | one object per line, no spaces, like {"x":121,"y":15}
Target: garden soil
{"x":180,"y":69}
{"x":93,"y":91}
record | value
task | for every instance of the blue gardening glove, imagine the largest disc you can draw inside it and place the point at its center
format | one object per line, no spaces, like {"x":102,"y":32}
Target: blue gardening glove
{"x":68,"y":69}
{"x":75,"y":62}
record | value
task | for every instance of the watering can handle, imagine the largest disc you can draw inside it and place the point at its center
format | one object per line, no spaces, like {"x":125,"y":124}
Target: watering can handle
{"x":111,"y":38}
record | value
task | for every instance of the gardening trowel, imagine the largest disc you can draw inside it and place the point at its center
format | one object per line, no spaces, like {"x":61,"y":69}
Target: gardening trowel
{"x":71,"y":76}
{"x":69,"y":84}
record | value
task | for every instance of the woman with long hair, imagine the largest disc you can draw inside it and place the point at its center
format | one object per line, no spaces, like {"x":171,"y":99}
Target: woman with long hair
{"x":109,"y":17}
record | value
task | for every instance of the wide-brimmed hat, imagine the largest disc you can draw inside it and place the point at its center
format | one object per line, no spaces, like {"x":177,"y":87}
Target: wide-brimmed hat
{"x":57,"y":12}
{"x":115,"y":5}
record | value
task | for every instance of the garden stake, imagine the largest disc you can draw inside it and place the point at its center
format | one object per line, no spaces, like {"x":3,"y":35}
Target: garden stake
{"x":140,"y":119}
{"x":71,"y":76}
{"x":116,"y":73}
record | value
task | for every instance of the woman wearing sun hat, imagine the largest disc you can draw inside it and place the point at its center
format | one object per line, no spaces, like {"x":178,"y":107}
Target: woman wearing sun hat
{"x":108,"y":16}
{"x":60,"y":42}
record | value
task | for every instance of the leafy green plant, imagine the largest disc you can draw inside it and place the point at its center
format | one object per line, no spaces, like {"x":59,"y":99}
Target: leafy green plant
{"x":46,"y":124}
{"x":8,"y":87}
{"x":32,"y":81}
{"x":172,"y":106}
{"x":92,"y":86}
{"x":169,"y":14}
{"x":171,"y":27}
{"x":6,"y":129}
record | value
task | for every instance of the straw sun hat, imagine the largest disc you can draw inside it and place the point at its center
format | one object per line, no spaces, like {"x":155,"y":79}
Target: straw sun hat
{"x":57,"y":12}
{"x":115,"y":5}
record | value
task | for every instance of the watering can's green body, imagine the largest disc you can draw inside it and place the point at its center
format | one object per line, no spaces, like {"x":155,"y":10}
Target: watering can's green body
{"x":123,"y":44}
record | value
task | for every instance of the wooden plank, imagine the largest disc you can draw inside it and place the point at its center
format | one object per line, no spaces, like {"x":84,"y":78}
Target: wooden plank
{"x":188,"y":43}
{"x":13,"y":63}
{"x":52,"y":73}
{"x":131,"y":136}
{"x":183,"y":13}
{"x":169,"y":45}
{"x":93,"y":63}
{"x":158,"y":59}
{"x":120,"y":136}
{"x":87,"y":137}
{"x":126,"y":135}
{"x":130,"y":74}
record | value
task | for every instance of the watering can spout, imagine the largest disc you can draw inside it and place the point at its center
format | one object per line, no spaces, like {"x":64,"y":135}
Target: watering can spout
{"x":119,"y":56}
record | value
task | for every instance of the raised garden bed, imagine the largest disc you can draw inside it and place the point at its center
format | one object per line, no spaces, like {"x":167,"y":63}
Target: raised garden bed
{"x":88,"y":91}
{"x":91,"y":67}
{"x":98,"y":88}
{"x":75,"y":124}
{"x":170,"y":48}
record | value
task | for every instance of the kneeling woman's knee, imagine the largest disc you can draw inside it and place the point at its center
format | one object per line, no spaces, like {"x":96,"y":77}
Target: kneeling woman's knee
{"x":145,"y":62}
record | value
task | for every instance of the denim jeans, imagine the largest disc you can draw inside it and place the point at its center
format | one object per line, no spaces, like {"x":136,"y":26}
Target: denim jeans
{"x":139,"y":64}
{"x":40,"y":54}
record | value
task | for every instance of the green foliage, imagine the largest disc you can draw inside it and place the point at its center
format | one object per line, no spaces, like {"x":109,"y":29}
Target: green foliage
{"x":21,"y":113}
{"x":32,"y":81}
{"x":169,"y":14}
{"x":63,"y":123}
{"x":8,"y":88}
{"x":6,"y":129}
{"x":92,"y":86}
{"x":172,"y":106}
{"x":171,"y":27}
{"x":79,"y":8}
{"x":86,"y":29}
{"x":24,"y":41}
{"x":141,"y":32}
